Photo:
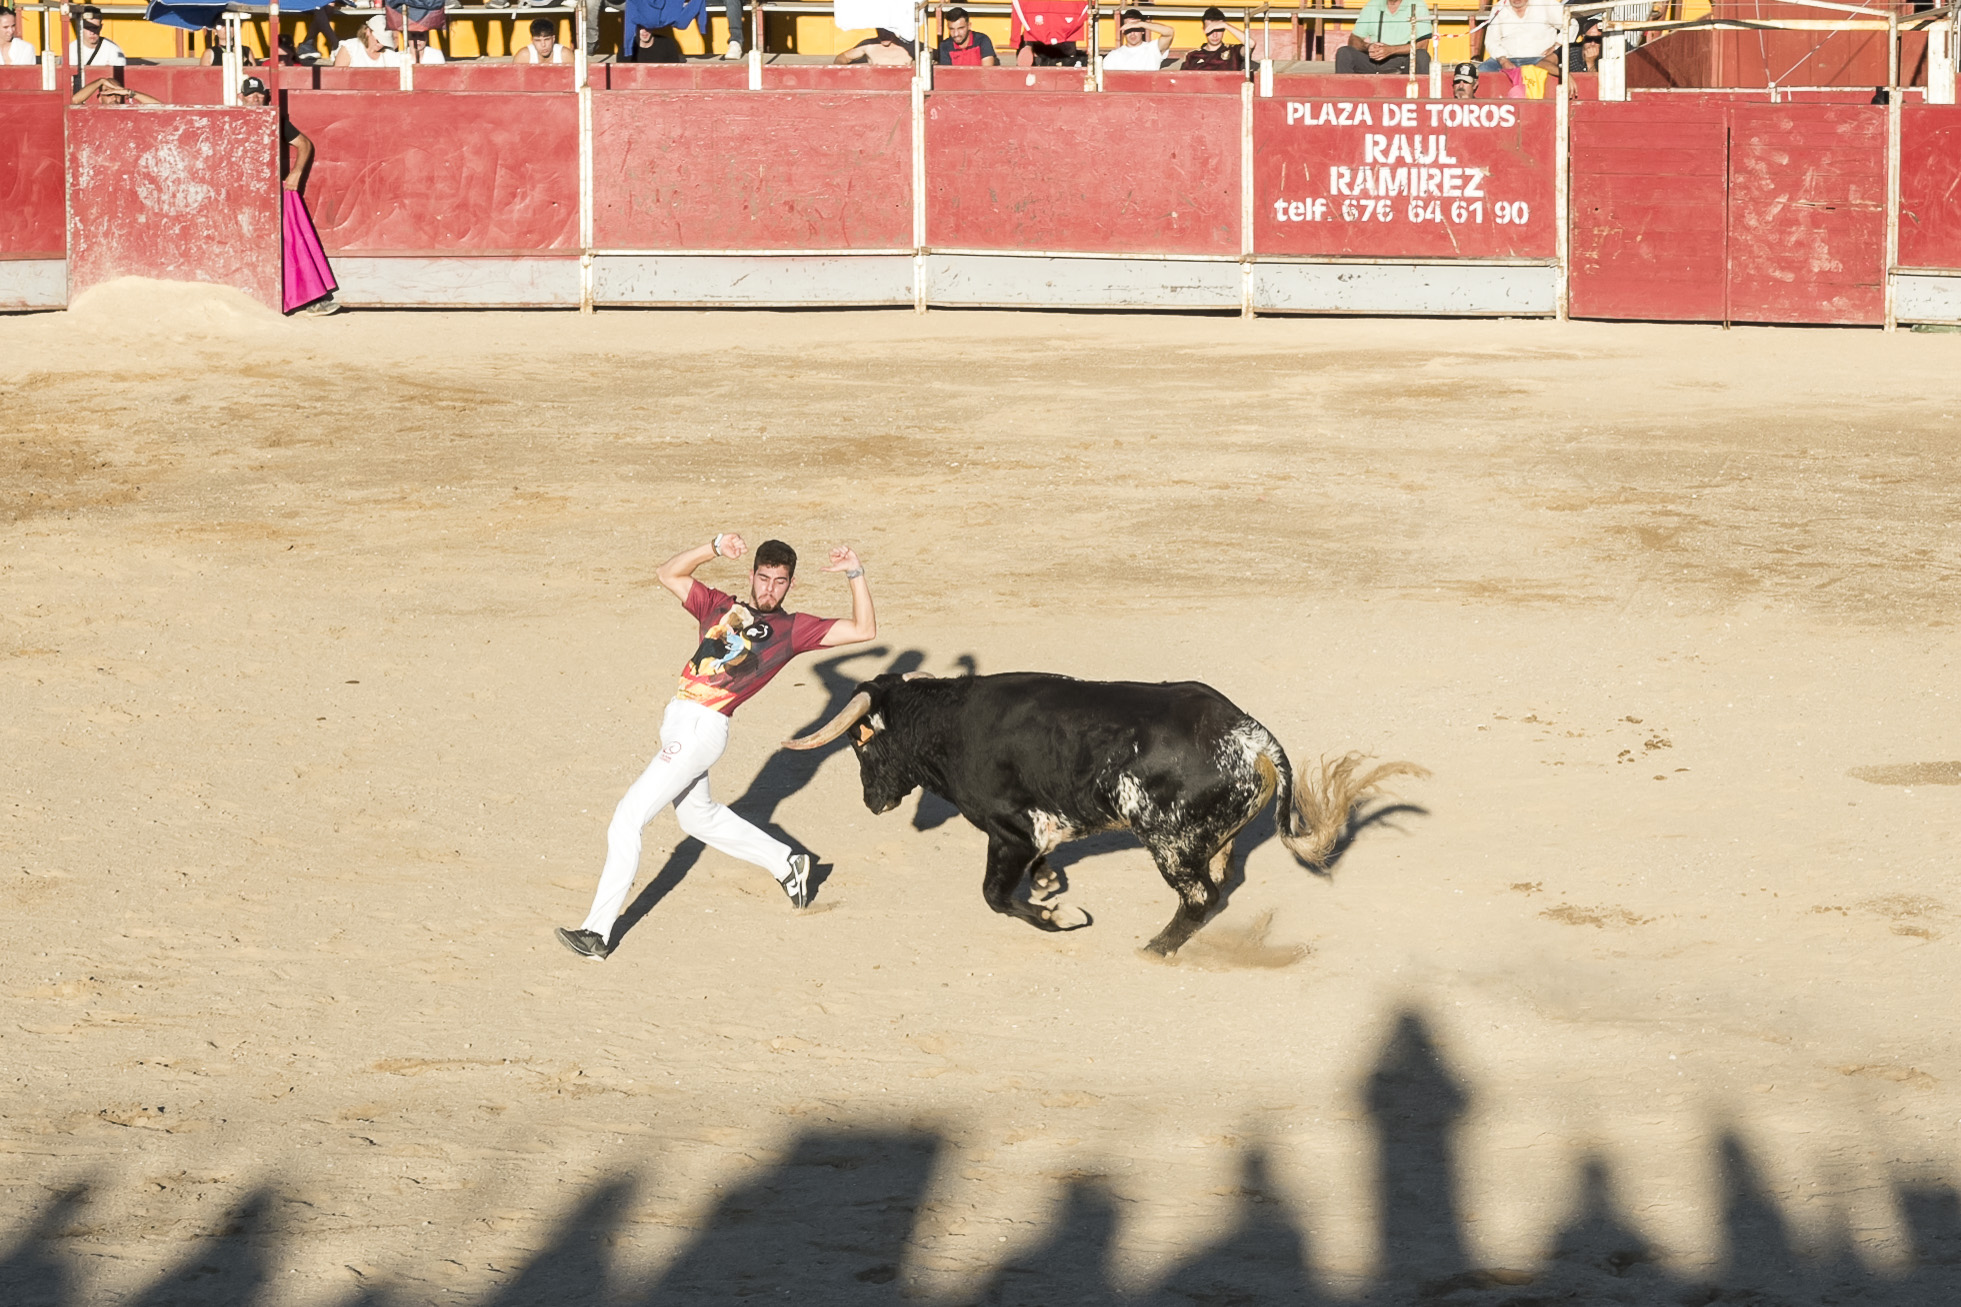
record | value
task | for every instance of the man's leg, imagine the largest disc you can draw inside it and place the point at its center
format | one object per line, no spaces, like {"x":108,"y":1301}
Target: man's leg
{"x":718,"y":827}
{"x":1350,"y":60}
{"x":690,"y":743}
{"x":738,"y":37}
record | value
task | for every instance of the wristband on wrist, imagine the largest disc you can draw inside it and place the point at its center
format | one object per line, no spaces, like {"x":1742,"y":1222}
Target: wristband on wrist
{"x":854,"y":574}
{"x":715,"y":546}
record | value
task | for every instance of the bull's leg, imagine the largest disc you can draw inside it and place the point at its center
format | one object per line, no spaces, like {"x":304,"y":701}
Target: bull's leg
{"x":1188,"y":872}
{"x":1009,"y":860}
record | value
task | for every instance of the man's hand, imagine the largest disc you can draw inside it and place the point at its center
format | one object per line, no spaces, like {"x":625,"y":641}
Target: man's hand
{"x":1378,"y":51}
{"x":732,"y":546}
{"x":843,"y":559}
{"x":292,"y":182}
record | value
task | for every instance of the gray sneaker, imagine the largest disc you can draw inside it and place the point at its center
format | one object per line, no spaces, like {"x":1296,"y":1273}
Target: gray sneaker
{"x":798,"y":885}
{"x":586,"y":943}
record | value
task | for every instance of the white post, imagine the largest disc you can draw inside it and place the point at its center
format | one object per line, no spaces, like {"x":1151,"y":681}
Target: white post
{"x":1940,"y":63}
{"x":1613,"y":66}
{"x":756,"y":45}
{"x":580,"y":70}
{"x":919,"y":286}
{"x":403,"y":59}
{"x":229,"y":60}
{"x":1266,"y":79}
{"x":1246,"y":199}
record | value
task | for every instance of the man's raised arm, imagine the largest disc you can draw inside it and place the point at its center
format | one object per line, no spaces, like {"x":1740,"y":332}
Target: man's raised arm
{"x":862,"y":625}
{"x":678,"y":572}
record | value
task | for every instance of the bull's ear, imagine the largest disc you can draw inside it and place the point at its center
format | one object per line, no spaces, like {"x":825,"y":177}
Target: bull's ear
{"x":862,"y":734}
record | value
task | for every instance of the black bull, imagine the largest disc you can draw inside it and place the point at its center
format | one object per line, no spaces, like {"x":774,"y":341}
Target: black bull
{"x":1035,"y":760}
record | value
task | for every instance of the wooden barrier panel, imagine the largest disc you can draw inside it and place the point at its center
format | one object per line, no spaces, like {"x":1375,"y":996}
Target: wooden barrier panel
{"x":33,"y":201}
{"x":1089,"y":174}
{"x":1807,"y":214}
{"x":1008,"y":78}
{"x":760,"y":170}
{"x":1648,"y":210}
{"x":721,"y":76}
{"x":174,"y":193}
{"x":1930,"y":186}
{"x":1174,"y":83}
{"x":1405,"y":178}
{"x":180,"y":85}
{"x":20,"y":77}
{"x":441,"y":173}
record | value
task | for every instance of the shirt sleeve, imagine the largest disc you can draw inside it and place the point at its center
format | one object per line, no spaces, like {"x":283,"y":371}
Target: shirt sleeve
{"x":986,"y":45}
{"x":701,"y":601}
{"x":1420,"y":21}
{"x":807,"y":632}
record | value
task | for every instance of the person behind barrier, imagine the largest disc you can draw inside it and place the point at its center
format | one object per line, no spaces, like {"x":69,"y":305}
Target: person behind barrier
{"x":1520,"y":33}
{"x":1215,"y":56}
{"x":97,"y":51}
{"x":308,"y":281}
{"x":13,"y":50}
{"x":1380,"y":41}
{"x":1046,"y":32}
{"x":421,"y":51}
{"x":108,"y":91}
{"x":1464,"y":82}
{"x":1144,"y":44}
{"x":543,"y":47}
{"x":962,"y":45}
{"x":886,"y":49}
{"x":371,"y":48}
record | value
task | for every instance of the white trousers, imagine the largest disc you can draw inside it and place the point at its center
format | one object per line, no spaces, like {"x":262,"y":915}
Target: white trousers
{"x":691,"y":739}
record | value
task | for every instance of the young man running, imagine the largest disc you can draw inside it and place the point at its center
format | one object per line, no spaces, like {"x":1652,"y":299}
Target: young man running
{"x":743,"y":644}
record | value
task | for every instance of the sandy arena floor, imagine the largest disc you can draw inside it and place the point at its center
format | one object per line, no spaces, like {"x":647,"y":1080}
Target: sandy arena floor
{"x":328,"y":646}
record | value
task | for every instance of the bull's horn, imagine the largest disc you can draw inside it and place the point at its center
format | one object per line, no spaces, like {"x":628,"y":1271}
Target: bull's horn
{"x":917,"y":676}
{"x":861,"y":703}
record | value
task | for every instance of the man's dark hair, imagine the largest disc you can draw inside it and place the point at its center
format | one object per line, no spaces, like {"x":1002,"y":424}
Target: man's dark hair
{"x":91,"y":12}
{"x":1212,"y":15}
{"x":956,"y":15}
{"x":1131,"y":16}
{"x":774,"y":553}
{"x":544,"y":27}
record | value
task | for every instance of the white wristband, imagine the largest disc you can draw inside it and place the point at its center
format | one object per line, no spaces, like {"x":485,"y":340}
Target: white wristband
{"x":715,"y":546}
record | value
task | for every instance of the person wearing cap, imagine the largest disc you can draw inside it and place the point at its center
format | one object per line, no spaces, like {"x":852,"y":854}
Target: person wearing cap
{"x":1384,"y":32}
{"x":97,"y":50}
{"x":884,"y":48}
{"x":1215,"y":56}
{"x":13,"y":50}
{"x":1144,"y":44}
{"x":255,"y":94}
{"x":371,"y":49}
{"x":962,"y":45}
{"x":1464,"y":82}
{"x":543,"y":47}
{"x":1519,"y":33}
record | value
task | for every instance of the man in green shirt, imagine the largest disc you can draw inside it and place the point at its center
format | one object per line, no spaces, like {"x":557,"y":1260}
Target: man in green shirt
{"x":1381,"y":39}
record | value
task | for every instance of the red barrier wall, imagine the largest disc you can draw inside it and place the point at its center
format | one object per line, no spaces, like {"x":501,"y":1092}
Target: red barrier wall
{"x":177,"y":194}
{"x":1649,"y":177}
{"x":1930,"y":186}
{"x":18,"y":77}
{"x":1095,"y":174}
{"x":1174,"y":83}
{"x":186,"y":85}
{"x":1807,"y":206}
{"x":442,"y":172}
{"x":33,"y":202}
{"x":1007,"y":79}
{"x":1405,"y":179}
{"x":764,"y":170}
{"x":722,"y":76}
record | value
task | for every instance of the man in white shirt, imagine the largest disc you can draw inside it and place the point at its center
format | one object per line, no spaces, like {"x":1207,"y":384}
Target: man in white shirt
{"x":13,"y":50}
{"x":96,"y":51}
{"x":421,"y":52}
{"x":1520,"y":33}
{"x":543,"y":47}
{"x":1144,"y":44}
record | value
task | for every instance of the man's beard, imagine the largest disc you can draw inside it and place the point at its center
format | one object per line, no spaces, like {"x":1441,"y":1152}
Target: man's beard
{"x":764,"y":605}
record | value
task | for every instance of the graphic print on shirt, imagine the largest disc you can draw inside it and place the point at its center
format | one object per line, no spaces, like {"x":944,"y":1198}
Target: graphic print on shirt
{"x":741,"y":649}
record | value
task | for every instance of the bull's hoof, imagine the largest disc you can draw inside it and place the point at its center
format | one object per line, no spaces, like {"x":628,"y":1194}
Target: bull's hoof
{"x":1062,"y":916}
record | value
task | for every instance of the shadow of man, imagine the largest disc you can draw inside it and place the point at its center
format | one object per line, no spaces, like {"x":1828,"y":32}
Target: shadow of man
{"x":1263,"y":1259}
{"x":231,"y":1267}
{"x":1415,"y":1103}
{"x":33,"y":1273}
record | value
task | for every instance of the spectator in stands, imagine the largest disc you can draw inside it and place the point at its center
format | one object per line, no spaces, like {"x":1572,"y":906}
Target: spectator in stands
{"x":370,"y":49}
{"x":1464,"y":82}
{"x":543,"y":47}
{"x":420,"y":50}
{"x":884,"y":48}
{"x":962,"y":45}
{"x":215,"y":41}
{"x":1383,"y":34}
{"x":319,"y":28}
{"x":13,"y":50}
{"x":652,"y":25}
{"x":1584,"y":54}
{"x":109,"y":91}
{"x":1520,"y":33}
{"x":1046,"y":32}
{"x":1144,"y":44}
{"x":415,"y":18}
{"x":97,"y":51}
{"x":1215,"y":56}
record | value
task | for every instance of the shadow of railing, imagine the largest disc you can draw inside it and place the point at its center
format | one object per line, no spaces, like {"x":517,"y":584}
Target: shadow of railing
{"x":835,"y":1220}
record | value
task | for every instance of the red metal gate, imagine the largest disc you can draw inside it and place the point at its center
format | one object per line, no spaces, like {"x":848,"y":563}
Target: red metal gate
{"x":1698,"y":210}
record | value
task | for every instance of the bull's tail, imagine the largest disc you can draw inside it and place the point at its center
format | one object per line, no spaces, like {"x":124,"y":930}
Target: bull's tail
{"x":1314,"y":811}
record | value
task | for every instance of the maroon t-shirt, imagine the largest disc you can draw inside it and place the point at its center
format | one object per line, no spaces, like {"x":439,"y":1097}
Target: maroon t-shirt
{"x":741,"y":649}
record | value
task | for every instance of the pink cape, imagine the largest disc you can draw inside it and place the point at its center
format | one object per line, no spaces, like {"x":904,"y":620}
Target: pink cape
{"x":307,"y":275}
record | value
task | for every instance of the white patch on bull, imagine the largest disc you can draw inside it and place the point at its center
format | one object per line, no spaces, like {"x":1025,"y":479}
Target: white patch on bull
{"x":1050,"y":830}
{"x":1132,"y":802}
{"x":1240,"y":747}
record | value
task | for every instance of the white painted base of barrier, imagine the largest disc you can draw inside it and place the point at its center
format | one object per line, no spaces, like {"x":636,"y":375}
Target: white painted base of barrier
{"x":761,"y":281}
{"x":1926,"y":297}
{"x":33,"y":284}
{"x":1062,"y":282}
{"x":1453,"y":290}
{"x":479,"y":283}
